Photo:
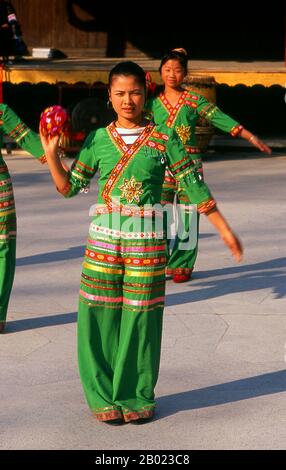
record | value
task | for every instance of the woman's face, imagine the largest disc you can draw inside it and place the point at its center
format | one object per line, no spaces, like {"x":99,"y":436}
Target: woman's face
{"x":127,"y":96}
{"x":173,"y":73}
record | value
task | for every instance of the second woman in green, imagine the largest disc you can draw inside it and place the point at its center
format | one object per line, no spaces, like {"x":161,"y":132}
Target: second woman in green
{"x":180,"y":109}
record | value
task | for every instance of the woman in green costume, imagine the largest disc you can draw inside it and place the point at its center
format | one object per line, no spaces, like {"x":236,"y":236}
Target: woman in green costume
{"x":12,"y":126}
{"x":123,"y":278}
{"x":180,"y":109}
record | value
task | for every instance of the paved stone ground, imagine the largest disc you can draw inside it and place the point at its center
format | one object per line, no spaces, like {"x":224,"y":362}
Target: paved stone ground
{"x":222,"y":378}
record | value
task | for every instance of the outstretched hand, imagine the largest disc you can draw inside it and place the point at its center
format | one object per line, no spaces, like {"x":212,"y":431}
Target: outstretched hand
{"x":260,"y":145}
{"x":234,"y":244}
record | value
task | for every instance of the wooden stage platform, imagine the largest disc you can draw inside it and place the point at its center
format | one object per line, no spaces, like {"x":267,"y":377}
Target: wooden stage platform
{"x":89,"y":71}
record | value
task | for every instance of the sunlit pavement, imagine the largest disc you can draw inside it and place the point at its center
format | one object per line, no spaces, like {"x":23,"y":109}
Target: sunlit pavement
{"x":222,"y":378}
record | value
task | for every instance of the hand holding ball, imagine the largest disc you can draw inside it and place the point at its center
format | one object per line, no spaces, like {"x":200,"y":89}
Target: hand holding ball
{"x":54,"y":121}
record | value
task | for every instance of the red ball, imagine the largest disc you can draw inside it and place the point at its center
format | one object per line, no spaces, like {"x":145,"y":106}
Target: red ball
{"x":54,"y":121}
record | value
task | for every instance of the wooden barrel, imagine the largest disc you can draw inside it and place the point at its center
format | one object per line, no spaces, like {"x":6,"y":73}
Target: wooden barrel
{"x":205,"y":85}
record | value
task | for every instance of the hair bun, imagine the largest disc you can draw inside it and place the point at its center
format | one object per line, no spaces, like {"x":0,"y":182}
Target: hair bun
{"x":181,"y":50}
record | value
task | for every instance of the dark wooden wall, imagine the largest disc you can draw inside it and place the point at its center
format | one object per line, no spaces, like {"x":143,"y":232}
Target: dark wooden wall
{"x":59,"y":24}
{"x":208,"y":30}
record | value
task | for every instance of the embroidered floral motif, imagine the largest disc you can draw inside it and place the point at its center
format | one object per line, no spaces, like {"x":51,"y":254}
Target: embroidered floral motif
{"x":184,"y":132}
{"x":131,"y":190}
{"x":125,"y":159}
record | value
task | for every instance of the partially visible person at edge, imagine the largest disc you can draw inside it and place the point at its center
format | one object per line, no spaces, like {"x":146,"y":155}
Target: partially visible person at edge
{"x":11,"y":41}
{"x":6,"y":34}
{"x":12,"y":126}
{"x":180,"y":109}
{"x":123,"y":278}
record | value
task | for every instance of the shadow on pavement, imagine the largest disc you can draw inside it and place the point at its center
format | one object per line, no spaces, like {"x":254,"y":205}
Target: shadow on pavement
{"x":31,"y":323}
{"x":243,"y":389}
{"x":250,"y":277}
{"x":62,"y":255}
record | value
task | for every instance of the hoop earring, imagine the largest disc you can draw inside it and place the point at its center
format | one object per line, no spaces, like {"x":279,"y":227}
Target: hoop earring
{"x":109,"y":105}
{"x":147,"y":115}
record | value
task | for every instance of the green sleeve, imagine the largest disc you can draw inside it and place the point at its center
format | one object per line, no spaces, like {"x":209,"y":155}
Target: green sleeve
{"x":215,"y":116}
{"x":83,"y":168}
{"x":16,"y":129}
{"x":183,"y":169}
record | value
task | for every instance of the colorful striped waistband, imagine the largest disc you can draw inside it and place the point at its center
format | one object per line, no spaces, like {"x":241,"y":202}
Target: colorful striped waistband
{"x":124,"y":210}
{"x":95,"y":230}
{"x":3,"y":167}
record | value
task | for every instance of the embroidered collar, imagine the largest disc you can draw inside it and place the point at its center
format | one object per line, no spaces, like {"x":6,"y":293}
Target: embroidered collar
{"x":127,"y":154}
{"x":172,"y":110}
{"x":119,"y":142}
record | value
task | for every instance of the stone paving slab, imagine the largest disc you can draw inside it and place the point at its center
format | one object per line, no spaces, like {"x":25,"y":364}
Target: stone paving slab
{"x":222,"y":378}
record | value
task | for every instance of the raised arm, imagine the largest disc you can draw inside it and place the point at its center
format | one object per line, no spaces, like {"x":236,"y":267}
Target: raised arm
{"x":230,"y":239}
{"x":198,"y":193}
{"x":213,"y":114}
{"x":70,"y":182}
{"x":255,"y":141}
{"x":59,"y":174}
{"x":15,"y":128}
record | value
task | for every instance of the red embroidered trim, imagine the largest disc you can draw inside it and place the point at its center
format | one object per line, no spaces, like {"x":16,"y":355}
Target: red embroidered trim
{"x":85,"y":166}
{"x":236,"y":130}
{"x":191,"y":104}
{"x":113,"y":134}
{"x":79,"y":170}
{"x":100,"y":257}
{"x":133,"y":415}
{"x":128,"y":210}
{"x":128,"y":260}
{"x":181,"y":271}
{"x":179,"y":162}
{"x":102,"y":281}
{"x":156,"y":145}
{"x":18,"y":130}
{"x":182,"y":168}
{"x":191,"y":100}
{"x":169,"y":179}
{"x":172,"y":111}
{"x":107,"y":416}
{"x":206,"y":207}
{"x":159,"y":135}
{"x":193,"y":149}
{"x":129,"y":153}
{"x":7,"y":203}
{"x":192,"y":97}
{"x":3,"y":169}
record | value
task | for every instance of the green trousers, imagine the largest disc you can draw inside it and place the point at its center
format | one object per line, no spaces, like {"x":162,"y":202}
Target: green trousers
{"x":7,"y":239}
{"x":120,"y":321}
{"x":181,"y":258}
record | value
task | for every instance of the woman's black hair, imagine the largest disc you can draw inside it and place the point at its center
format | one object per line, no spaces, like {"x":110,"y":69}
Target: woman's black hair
{"x":180,"y":56}
{"x":127,"y":69}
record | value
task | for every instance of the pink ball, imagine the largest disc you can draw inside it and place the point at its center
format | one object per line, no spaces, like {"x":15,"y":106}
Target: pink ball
{"x":54,"y":121}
